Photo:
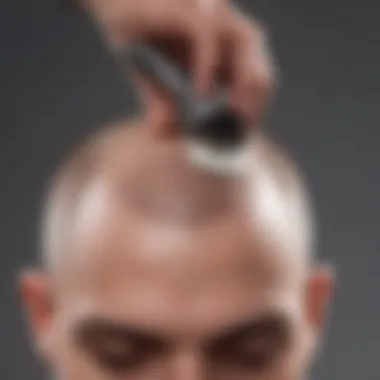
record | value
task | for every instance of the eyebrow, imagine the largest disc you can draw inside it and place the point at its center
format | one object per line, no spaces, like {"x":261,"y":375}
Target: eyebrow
{"x":264,"y":326}
{"x":108,"y":328}
{"x":268,"y":326}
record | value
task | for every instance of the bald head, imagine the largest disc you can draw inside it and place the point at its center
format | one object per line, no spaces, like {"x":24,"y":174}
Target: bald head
{"x":158,"y":268}
{"x":125,"y":168}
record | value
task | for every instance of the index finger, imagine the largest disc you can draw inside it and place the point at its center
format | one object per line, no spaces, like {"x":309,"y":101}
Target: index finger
{"x":203,"y":29}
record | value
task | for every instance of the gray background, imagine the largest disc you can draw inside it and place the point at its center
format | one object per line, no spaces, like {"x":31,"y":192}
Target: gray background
{"x":57,"y":83}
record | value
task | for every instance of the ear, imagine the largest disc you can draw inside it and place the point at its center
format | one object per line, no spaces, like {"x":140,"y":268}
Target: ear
{"x":36,"y":298}
{"x":319,"y":293}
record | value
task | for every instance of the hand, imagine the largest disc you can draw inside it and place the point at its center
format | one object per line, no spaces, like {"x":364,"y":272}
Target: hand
{"x":209,"y":38}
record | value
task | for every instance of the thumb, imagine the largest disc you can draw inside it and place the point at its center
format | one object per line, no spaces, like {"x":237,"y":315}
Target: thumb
{"x":159,"y":107}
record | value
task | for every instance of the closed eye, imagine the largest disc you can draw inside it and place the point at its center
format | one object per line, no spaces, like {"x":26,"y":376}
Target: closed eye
{"x":251,"y":346}
{"x":117,"y":348}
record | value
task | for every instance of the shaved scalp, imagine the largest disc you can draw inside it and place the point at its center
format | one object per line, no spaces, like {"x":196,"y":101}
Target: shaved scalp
{"x":156,"y":181}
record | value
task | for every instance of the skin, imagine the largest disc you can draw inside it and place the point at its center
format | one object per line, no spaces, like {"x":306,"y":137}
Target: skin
{"x":146,"y":279}
{"x":156,"y":269}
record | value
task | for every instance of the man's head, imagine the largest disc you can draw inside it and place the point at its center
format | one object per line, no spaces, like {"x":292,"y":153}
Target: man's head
{"x":155,"y":269}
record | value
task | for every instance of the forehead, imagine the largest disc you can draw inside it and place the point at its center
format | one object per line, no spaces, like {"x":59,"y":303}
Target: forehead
{"x":176,"y":278}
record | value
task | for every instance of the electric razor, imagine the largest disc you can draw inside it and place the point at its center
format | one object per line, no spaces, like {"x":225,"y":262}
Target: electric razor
{"x":215,"y":134}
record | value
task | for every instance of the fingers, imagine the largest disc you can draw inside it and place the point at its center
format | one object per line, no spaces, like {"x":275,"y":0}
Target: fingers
{"x":203,"y":30}
{"x":199,"y":31}
{"x":196,"y":34}
{"x":244,"y":67}
{"x":205,"y":59}
{"x":160,"y":112}
{"x":253,"y":73}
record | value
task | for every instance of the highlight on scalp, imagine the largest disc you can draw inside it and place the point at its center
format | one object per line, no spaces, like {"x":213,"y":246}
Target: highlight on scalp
{"x":158,"y":177}
{"x":63,"y":191}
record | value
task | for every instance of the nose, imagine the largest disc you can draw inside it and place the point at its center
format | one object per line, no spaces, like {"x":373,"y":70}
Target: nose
{"x":187,"y":365}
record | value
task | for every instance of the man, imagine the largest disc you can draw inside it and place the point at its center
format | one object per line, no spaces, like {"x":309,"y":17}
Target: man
{"x":157,"y":269}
